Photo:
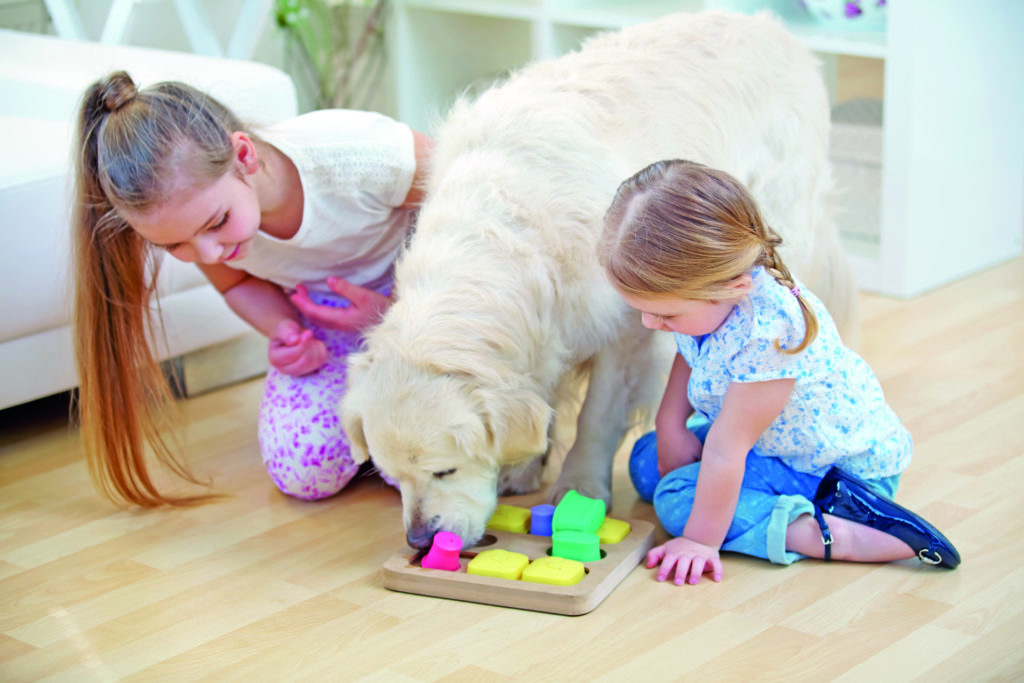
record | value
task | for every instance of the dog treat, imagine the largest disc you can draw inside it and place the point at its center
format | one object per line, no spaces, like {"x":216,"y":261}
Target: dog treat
{"x":576,"y":512}
{"x":510,"y":518}
{"x":499,"y":563}
{"x":540,"y":519}
{"x":444,"y":552}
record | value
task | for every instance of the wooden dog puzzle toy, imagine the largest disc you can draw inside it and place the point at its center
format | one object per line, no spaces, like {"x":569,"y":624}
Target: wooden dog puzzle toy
{"x":513,"y":568}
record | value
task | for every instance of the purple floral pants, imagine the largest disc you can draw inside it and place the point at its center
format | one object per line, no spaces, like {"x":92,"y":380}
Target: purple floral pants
{"x":304,"y":447}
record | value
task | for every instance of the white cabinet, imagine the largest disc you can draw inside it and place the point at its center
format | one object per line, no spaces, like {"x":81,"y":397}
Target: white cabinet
{"x":952,"y":195}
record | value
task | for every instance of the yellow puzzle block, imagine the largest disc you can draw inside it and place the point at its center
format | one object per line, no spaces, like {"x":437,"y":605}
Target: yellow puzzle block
{"x":498,"y":563}
{"x":556,"y":571}
{"x":510,"y":518}
{"x":613,"y":530}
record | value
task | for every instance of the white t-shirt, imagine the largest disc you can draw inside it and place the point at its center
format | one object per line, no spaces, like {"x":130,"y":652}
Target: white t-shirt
{"x":836,"y":414}
{"x":356,"y":167}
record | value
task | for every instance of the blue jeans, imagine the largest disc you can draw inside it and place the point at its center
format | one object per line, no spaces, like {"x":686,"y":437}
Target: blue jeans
{"x":772,"y":496}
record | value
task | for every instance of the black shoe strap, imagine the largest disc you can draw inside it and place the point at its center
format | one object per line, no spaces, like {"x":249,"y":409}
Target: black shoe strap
{"x":826,"y":533}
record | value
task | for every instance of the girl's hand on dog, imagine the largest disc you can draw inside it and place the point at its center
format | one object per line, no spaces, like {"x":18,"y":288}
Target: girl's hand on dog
{"x":364,"y":310}
{"x":688,"y":559}
{"x":677,"y":447}
{"x":294,"y":350}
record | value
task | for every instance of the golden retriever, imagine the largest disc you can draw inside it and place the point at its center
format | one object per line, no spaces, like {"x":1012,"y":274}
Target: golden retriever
{"x":501,"y":300}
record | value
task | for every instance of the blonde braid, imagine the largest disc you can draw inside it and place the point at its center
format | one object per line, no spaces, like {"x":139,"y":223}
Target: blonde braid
{"x":773,"y":263}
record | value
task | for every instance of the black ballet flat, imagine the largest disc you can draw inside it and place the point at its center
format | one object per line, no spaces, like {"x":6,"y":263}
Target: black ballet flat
{"x":848,"y":497}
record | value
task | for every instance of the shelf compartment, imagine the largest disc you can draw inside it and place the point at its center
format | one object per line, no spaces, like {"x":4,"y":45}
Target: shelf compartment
{"x":445,"y":55}
{"x":614,"y":14}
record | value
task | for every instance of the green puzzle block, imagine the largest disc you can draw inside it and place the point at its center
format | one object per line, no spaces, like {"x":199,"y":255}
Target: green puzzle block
{"x":576,"y":512}
{"x":581,"y":546}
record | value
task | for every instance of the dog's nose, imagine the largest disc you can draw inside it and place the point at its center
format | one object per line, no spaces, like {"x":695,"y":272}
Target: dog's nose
{"x":419,"y":537}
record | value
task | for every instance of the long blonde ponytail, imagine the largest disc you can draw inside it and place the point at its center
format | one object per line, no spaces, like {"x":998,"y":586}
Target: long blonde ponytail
{"x":126,"y":139}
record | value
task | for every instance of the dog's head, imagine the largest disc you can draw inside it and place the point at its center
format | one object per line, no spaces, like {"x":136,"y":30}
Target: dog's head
{"x":443,"y":429}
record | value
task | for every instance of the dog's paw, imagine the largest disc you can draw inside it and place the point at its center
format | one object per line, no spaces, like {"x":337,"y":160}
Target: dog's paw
{"x":522,"y":478}
{"x":590,"y":488}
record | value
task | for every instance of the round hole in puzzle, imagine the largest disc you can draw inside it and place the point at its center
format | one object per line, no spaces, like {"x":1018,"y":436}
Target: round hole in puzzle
{"x":488,"y":539}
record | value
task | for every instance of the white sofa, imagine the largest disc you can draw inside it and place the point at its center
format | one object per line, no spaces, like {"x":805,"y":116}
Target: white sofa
{"x":42,"y":79}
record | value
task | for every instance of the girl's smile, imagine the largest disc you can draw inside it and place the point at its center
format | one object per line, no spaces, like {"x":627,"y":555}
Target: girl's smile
{"x":206,"y":225}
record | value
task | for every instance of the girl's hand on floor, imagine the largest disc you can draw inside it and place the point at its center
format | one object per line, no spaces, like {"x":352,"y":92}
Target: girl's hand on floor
{"x":688,"y":559}
{"x":364,"y":310}
{"x":294,"y":350}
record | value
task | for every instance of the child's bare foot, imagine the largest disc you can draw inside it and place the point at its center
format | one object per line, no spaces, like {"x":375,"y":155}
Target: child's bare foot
{"x":851,"y":541}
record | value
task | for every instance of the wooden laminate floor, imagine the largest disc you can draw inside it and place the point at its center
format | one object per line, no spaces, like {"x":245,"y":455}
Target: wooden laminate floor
{"x":264,"y":588}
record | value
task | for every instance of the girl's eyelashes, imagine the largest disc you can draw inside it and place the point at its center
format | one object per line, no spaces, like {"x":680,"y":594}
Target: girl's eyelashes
{"x":216,"y":226}
{"x":220,"y":224}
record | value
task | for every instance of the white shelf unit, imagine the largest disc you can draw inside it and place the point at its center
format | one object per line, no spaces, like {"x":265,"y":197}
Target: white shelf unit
{"x":952,"y":195}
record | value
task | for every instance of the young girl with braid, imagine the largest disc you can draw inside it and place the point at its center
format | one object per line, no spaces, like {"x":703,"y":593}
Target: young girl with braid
{"x":790,"y":449}
{"x":297,"y":227}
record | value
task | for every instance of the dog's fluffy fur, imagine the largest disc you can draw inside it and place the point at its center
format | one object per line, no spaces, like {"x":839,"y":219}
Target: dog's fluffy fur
{"x":500,"y":295}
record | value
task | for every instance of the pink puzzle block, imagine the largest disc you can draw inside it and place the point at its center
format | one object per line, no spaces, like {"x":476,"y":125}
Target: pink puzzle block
{"x":444,"y":552}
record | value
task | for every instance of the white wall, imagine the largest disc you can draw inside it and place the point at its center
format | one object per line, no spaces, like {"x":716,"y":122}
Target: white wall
{"x":155,"y":23}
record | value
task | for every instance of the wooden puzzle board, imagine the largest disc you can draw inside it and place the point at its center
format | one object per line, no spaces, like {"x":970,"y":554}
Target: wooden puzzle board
{"x":402,"y":573}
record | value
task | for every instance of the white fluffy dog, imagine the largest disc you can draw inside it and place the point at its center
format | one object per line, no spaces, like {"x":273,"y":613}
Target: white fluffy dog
{"x":501,"y":300}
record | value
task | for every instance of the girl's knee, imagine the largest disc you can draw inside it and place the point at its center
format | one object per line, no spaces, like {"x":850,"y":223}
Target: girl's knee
{"x":679,"y":481}
{"x":643,"y":466}
{"x":311,"y":472}
{"x":303,"y":446}
{"x":673,"y":498}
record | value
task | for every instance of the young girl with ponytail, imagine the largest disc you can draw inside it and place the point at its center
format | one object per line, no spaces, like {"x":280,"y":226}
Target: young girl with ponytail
{"x":772,"y":439}
{"x":297,"y":227}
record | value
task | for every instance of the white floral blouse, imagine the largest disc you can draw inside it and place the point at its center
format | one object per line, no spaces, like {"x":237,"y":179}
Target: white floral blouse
{"x":836,"y":414}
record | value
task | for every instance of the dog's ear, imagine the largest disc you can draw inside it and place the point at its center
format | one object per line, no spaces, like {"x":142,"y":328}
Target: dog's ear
{"x":353,"y":424}
{"x":517,"y":420}
{"x":351,"y":410}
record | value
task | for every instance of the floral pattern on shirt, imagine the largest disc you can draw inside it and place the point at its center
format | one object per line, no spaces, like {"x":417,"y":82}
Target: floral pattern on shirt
{"x":836,"y":415}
